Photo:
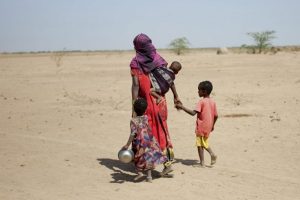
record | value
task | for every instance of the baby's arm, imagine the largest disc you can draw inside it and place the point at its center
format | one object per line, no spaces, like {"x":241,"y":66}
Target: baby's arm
{"x":176,"y":98}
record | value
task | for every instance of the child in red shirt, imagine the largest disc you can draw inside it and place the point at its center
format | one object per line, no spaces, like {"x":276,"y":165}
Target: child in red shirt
{"x":206,"y":118}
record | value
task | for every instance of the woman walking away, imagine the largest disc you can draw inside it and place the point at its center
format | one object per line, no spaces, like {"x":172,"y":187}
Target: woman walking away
{"x":145,"y":60}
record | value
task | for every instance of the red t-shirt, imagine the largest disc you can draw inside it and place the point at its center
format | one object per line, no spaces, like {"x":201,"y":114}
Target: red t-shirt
{"x":206,"y":112}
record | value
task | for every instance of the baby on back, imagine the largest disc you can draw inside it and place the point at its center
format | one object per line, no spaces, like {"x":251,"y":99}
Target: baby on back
{"x":162,"y":79}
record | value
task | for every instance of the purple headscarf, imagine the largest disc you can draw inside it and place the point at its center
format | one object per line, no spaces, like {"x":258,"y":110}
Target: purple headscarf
{"x":146,"y":56}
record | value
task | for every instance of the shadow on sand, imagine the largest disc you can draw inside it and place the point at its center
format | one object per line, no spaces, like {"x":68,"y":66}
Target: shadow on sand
{"x":122,"y":172}
{"x":187,"y":162}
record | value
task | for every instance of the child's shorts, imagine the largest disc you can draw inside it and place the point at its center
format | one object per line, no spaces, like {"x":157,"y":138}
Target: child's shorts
{"x":202,"y":141}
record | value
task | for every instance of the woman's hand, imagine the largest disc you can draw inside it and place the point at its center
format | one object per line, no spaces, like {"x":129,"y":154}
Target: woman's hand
{"x":179,"y":105}
{"x":133,"y":114}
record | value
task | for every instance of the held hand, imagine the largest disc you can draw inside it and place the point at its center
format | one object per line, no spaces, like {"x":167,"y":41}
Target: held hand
{"x":177,"y":100}
{"x":179,"y":105}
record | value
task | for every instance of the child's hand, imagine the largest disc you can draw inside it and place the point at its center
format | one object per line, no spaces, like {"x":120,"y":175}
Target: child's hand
{"x":178,"y":105}
{"x":125,"y":147}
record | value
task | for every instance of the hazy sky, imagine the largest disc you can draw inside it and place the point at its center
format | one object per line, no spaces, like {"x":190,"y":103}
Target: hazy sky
{"x":42,"y":25}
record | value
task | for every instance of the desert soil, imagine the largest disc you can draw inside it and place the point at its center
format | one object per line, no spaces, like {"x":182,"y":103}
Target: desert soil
{"x":62,"y":124}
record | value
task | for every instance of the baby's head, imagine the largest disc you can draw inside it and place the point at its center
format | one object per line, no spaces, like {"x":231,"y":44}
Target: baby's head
{"x":140,"y":106}
{"x":205,"y":88}
{"x":175,"y":67}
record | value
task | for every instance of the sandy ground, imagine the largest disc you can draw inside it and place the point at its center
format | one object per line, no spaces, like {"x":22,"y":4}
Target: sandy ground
{"x":62,"y":126}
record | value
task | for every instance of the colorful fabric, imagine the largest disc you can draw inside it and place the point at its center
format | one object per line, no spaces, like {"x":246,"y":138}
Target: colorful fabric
{"x":163,"y":110}
{"x":206,"y":112}
{"x":147,"y":153}
{"x":202,"y":142}
{"x":162,"y":78}
{"x":146,"y":57}
{"x":157,"y":114}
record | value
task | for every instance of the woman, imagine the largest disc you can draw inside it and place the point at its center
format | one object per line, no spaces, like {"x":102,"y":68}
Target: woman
{"x":142,"y":64}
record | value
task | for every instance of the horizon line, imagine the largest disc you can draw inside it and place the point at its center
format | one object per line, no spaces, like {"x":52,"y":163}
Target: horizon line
{"x":119,"y":50}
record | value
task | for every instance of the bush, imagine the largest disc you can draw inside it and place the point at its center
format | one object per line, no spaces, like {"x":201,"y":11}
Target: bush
{"x":262,"y":40}
{"x":179,"y":45}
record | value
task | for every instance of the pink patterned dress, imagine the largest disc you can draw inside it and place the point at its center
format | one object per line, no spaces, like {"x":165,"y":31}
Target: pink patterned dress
{"x":147,"y":153}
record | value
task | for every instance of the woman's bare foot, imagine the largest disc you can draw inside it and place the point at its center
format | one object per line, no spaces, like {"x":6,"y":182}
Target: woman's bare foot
{"x":166,"y":170}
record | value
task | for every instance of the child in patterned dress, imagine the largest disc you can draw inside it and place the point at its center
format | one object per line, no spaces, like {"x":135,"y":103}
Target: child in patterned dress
{"x":147,"y":153}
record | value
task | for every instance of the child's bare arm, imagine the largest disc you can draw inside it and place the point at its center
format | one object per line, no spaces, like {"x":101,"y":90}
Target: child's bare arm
{"x":133,"y":132}
{"x":187,"y":110}
{"x":215,"y":119}
{"x":130,"y":139}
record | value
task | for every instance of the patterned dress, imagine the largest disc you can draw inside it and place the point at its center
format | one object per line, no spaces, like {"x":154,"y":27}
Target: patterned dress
{"x":147,"y":153}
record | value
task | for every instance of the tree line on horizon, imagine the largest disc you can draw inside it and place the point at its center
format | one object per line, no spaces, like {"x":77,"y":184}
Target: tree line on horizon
{"x":262,"y":42}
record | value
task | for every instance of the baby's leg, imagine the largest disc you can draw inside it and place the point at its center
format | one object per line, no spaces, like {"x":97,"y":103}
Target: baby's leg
{"x":156,"y":95}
